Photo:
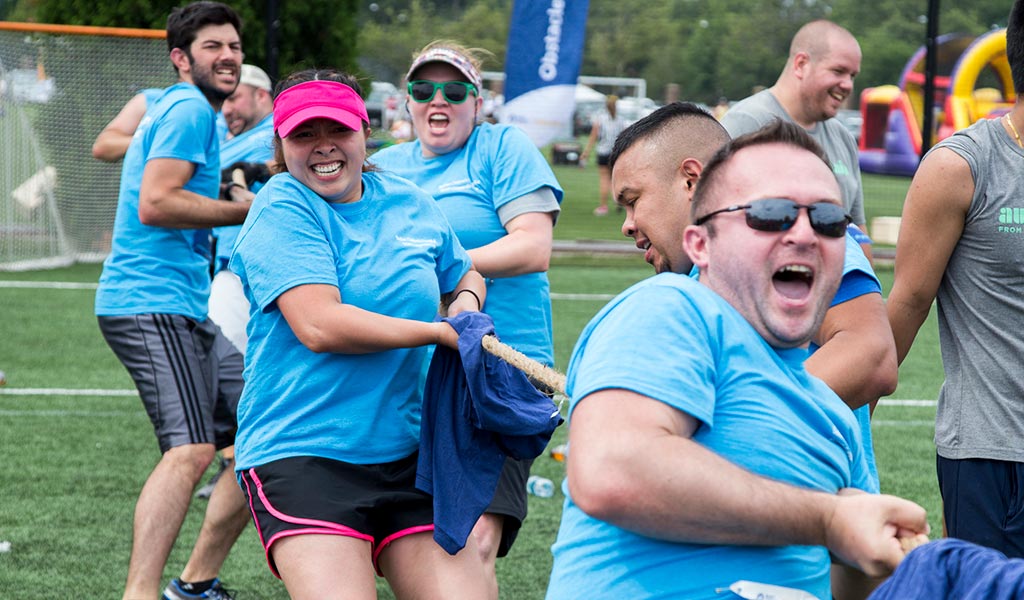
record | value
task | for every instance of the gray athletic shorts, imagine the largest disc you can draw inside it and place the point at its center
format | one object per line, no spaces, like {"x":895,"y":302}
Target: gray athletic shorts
{"x":188,"y":374}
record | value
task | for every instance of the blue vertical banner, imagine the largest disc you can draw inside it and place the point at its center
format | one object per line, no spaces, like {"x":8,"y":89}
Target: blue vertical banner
{"x":545,"y":50}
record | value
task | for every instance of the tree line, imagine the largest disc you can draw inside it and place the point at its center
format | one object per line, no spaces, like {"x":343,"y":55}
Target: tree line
{"x":709,"y":48}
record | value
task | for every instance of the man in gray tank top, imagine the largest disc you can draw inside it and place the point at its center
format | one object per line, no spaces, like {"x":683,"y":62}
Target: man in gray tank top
{"x":818,"y":77}
{"x":962,"y":242}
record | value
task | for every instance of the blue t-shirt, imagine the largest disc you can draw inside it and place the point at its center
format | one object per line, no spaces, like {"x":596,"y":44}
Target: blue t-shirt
{"x":756,"y":406}
{"x":222,"y":126}
{"x":256,"y":146}
{"x":858,"y":276}
{"x":497,"y":164}
{"x":858,"y":279}
{"x":393,"y":253}
{"x":161,"y":269}
{"x":152,"y":95}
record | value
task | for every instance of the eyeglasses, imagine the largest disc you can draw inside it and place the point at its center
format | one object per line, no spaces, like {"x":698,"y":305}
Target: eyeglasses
{"x":455,"y":92}
{"x":779,"y":214}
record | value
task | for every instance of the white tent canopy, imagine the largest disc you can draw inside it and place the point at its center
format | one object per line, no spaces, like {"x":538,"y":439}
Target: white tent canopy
{"x":585,"y":93}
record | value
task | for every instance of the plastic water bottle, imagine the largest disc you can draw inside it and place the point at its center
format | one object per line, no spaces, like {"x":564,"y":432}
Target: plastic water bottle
{"x":559,"y":452}
{"x":540,"y":486}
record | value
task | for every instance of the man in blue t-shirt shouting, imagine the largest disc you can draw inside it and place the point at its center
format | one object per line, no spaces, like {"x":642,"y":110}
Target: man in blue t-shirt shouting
{"x":704,"y":455}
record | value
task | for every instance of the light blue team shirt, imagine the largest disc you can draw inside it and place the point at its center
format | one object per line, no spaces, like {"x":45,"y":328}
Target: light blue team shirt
{"x":757,"y":407}
{"x":152,"y":95}
{"x":154,"y":269}
{"x":497,"y":165}
{"x":255,"y":146}
{"x":858,"y":280}
{"x":222,"y":126}
{"x":393,"y":253}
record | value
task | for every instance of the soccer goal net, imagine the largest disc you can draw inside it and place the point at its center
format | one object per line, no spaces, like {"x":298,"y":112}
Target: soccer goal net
{"x":59,"y":86}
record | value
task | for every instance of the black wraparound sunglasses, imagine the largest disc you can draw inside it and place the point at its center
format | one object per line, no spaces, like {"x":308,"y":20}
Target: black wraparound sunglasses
{"x":455,"y":92}
{"x":779,"y":214}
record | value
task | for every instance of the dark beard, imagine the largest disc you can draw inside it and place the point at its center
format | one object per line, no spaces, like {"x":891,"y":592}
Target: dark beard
{"x":215,"y":96}
{"x":204,"y":81}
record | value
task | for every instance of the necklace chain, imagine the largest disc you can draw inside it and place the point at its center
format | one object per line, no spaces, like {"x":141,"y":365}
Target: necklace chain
{"x":1014,"y":130}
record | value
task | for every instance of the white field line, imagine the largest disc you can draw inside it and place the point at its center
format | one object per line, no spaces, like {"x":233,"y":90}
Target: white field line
{"x":909,"y":423}
{"x":587,"y":297}
{"x":5,"y":391}
{"x":73,"y":413}
{"x":70,"y":285}
{"x":64,"y":392}
{"x":904,"y":402}
{"x":47,"y":412}
{"x":100,"y":393}
{"x":67,"y":285}
{"x":48,"y":285}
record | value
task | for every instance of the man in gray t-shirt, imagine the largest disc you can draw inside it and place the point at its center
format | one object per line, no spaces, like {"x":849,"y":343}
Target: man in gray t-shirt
{"x":961,"y":243}
{"x":818,"y":77}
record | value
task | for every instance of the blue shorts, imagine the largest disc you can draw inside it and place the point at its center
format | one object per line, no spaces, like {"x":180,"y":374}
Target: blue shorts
{"x":983,"y":502}
{"x":378,"y":503}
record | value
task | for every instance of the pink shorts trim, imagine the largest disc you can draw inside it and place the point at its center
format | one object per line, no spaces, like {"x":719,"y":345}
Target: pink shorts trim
{"x":394,"y":536}
{"x":316,"y":526}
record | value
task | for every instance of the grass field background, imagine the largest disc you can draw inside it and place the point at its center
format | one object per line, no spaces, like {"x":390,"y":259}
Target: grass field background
{"x":76,"y":445}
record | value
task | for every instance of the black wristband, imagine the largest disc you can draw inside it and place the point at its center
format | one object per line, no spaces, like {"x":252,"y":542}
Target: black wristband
{"x":479,"y":304}
{"x":227,"y":189}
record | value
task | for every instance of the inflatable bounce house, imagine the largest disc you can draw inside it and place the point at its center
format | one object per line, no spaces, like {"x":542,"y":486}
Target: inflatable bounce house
{"x":972,"y":82}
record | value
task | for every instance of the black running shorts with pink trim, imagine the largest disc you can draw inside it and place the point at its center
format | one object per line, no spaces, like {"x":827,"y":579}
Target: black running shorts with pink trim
{"x":304,"y":495}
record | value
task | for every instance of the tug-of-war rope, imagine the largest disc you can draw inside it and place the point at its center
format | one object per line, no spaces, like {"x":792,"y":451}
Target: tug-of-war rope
{"x":536,"y":371}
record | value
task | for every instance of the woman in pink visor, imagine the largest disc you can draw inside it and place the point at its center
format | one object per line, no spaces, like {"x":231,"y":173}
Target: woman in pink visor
{"x":344,"y":267}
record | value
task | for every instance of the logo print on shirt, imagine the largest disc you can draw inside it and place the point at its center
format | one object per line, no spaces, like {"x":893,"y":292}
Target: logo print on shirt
{"x":1010,"y":220}
{"x":840,"y":168}
{"x":461,"y":184}
{"x":415,"y":242}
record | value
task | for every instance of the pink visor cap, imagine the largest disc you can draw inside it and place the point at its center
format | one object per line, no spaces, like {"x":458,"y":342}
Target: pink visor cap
{"x":318,"y":99}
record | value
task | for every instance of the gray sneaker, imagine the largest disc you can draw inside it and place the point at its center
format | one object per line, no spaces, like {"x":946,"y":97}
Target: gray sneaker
{"x":173,"y":591}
